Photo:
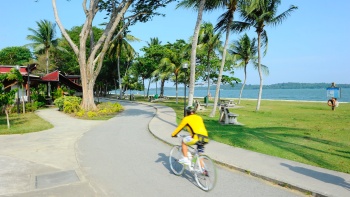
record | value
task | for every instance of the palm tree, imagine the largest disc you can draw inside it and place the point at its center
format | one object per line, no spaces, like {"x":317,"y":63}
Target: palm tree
{"x":208,"y":42}
{"x":163,"y":72}
{"x":224,"y":25}
{"x":259,"y":14}
{"x":180,"y":51}
{"x":200,"y":4}
{"x":43,"y":39}
{"x":121,"y":43}
{"x":244,"y":51}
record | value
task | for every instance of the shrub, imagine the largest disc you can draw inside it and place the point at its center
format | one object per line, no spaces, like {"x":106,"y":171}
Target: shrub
{"x":80,"y":113}
{"x":91,"y":114}
{"x":108,"y":108}
{"x":68,"y":104}
{"x":59,"y":103}
{"x":71,"y":104}
{"x":31,"y":107}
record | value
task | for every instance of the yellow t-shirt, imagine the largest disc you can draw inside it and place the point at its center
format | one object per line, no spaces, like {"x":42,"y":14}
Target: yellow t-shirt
{"x":194,"y":124}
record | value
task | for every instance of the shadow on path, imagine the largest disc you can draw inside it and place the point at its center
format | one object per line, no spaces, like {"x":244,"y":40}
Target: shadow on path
{"x":325,"y":177}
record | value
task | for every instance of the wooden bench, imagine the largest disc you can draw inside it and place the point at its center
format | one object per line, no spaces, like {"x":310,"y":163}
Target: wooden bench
{"x":226,"y":117}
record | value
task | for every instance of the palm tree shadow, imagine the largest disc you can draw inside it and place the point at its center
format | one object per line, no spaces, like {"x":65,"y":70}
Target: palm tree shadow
{"x":327,"y":178}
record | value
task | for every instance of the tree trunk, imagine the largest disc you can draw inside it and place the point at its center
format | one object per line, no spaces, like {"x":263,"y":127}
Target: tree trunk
{"x":194,"y":53}
{"x":162,"y":82}
{"x":149,"y":84}
{"x":119,"y":80}
{"x":88,"y":102}
{"x":176,"y":89}
{"x":245,"y":80}
{"x":260,"y":74}
{"x":212,"y":114}
{"x":208,"y":78}
{"x":7,"y":118}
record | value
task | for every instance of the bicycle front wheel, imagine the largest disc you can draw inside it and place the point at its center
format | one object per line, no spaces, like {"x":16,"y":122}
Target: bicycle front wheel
{"x":205,"y":173}
{"x":174,"y":157}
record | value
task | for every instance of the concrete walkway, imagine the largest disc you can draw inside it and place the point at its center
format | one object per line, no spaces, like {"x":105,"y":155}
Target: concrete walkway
{"x":44,"y":163}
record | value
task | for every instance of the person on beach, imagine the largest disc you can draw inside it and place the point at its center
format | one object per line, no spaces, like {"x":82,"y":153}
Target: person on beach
{"x":198,"y":133}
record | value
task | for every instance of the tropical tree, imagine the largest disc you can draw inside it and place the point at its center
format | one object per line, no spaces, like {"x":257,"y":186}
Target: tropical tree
{"x":143,"y":70}
{"x":224,"y":25}
{"x":200,"y":5}
{"x":15,"y":56}
{"x":244,"y":51}
{"x":209,"y":43}
{"x":121,"y":43}
{"x":90,"y":63}
{"x":259,"y":14}
{"x":43,"y":39}
{"x":153,"y":53}
{"x":180,"y":52}
{"x":7,"y":97}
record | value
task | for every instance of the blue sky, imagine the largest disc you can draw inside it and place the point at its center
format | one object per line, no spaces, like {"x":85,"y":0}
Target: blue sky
{"x":311,"y":46}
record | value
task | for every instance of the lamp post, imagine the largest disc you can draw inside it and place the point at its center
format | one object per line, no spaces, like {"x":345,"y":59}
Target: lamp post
{"x":185,"y":66}
{"x":18,"y":68}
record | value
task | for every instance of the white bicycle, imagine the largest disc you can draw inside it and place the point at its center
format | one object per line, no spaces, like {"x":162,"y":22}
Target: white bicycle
{"x":202,"y":167}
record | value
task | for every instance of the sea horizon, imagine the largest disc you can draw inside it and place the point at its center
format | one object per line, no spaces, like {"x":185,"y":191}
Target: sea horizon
{"x":315,"y":94}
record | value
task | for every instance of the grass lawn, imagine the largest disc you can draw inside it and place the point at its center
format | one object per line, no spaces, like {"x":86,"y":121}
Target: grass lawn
{"x":23,"y":123}
{"x":306,"y":132}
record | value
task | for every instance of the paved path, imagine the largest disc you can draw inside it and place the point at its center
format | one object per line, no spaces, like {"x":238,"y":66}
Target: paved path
{"x":32,"y":162}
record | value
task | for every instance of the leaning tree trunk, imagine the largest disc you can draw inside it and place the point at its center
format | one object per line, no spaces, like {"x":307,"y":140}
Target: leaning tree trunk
{"x":212,"y":114}
{"x":208,"y":78}
{"x":245,"y":80}
{"x":194,"y":52}
{"x":260,"y":74}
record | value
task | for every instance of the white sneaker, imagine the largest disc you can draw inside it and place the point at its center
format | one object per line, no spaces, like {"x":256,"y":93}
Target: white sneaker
{"x":185,"y":161}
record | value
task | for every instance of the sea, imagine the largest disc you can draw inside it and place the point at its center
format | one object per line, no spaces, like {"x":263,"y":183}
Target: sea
{"x":271,"y":94}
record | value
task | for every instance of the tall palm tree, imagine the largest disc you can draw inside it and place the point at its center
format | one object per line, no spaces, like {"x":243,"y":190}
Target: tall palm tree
{"x":259,"y":14}
{"x":43,"y":39}
{"x":200,"y":5}
{"x":208,"y":42}
{"x":224,"y":25}
{"x":244,"y":51}
{"x":121,"y":43}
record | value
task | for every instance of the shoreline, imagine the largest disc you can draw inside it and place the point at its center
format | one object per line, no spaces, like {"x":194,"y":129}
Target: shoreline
{"x":201,"y":99}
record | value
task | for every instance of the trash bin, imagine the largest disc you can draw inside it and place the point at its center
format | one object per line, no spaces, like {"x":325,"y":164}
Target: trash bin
{"x":206,"y":99}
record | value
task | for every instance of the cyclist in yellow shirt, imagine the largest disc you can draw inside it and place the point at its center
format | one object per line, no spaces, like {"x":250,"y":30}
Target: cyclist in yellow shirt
{"x":198,"y":133}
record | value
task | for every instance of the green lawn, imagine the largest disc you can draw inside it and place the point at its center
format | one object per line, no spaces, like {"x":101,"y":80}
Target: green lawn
{"x":307,"y":132}
{"x":23,"y":123}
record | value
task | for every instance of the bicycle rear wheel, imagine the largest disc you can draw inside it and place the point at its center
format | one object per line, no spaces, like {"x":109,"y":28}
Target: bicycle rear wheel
{"x":205,"y":174}
{"x":175,"y":155}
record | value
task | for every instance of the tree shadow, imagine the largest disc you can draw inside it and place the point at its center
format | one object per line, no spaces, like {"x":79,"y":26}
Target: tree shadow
{"x":325,"y":177}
